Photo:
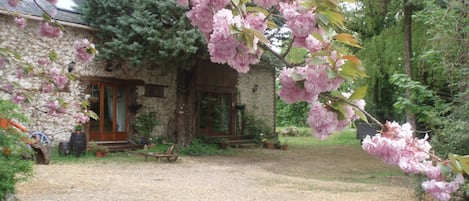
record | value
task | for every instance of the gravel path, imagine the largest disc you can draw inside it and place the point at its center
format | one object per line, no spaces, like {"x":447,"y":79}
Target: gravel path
{"x":190,"y":178}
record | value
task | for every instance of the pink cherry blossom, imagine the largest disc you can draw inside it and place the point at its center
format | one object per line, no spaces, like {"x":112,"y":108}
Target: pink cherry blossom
{"x":434,"y":172}
{"x":442,"y":190}
{"x":53,"y":1}
{"x":301,"y":21}
{"x":387,"y":149}
{"x":20,"y":73}
{"x":317,"y":80}
{"x":13,"y":3}
{"x":20,"y":22}
{"x":85,"y":51}
{"x":242,"y":59}
{"x":43,"y":61}
{"x":52,"y":12}
{"x":293,"y":91}
{"x":54,"y":109}
{"x":183,"y":3}
{"x":201,"y":16}
{"x":54,"y":71}
{"x":81,"y":118}
{"x":18,"y":98}
{"x":255,"y":21}
{"x":323,"y":121}
{"x":60,"y":81}
{"x":224,"y":46}
{"x":266,"y":3}
{"x":218,"y":4}
{"x":50,"y":31}
{"x":8,"y":87}
{"x":47,"y":87}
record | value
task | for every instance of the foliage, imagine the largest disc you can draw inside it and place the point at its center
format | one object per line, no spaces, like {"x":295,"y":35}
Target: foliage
{"x":257,"y":128}
{"x":446,"y":71}
{"x":452,"y":135}
{"x":94,"y":147}
{"x":425,"y":103}
{"x":14,"y":168}
{"x":144,"y":124}
{"x":291,"y":114}
{"x":198,"y":147}
{"x":142,"y":32}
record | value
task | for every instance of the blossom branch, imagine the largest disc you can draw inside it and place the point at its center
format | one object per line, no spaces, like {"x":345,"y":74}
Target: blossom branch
{"x":330,"y":96}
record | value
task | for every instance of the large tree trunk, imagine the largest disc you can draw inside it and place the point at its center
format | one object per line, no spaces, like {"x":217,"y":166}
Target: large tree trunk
{"x":410,"y":117}
{"x":180,"y":108}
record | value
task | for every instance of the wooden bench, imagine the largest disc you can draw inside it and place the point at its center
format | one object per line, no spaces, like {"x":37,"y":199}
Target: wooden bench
{"x":171,"y":154}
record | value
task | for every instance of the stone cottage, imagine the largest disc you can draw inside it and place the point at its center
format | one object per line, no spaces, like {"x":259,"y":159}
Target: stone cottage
{"x":215,"y":100}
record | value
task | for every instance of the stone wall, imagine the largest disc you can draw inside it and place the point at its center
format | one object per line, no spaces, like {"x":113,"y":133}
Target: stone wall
{"x":255,"y":89}
{"x":32,"y":47}
{"x":257,"y":92}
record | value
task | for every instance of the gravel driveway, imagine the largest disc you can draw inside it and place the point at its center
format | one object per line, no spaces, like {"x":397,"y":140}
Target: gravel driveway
{"x":191,"y":178}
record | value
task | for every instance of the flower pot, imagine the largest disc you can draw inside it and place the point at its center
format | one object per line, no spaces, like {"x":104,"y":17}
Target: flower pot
{"x":284,"y":146}
{"x":223,"y":145}
{"x":100,"y":154}
{"x":268,"y":145}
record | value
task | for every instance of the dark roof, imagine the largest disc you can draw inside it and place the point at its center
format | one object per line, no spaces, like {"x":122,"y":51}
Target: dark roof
{"x":28,"y":7}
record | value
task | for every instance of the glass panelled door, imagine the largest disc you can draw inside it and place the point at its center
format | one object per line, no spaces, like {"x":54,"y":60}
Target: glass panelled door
{"x":215,"y":114}
{"x":110,"y":103}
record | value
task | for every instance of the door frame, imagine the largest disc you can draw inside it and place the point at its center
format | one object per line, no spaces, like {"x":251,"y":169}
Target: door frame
{"x":231,"y":113}
{"x":113,"y":135}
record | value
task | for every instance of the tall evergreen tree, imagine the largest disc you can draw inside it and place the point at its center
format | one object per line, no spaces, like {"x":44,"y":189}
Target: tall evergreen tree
{"x":154,"y":32}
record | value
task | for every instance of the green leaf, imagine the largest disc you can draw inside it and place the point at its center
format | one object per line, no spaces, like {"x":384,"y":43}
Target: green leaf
{"x":359,"y":93}
{"x":297,"y":77}
{"x":255,"y":9}
{"x":464,"y":162}
{"x":454,"y":163}
{"x":352,"y":58}
{"x":334,"y":17}
{"x":53,"y":56}
{"x":316,"y":61}
{"x":350,"y":71}
{"x":71,"y":76}
{"x":347,"y":39}
{"x":445,"y":170}
{"x":93,"y":115}
{"x":360,"y":114}
{"x":46,"y":17}
{"x":338,"y":108}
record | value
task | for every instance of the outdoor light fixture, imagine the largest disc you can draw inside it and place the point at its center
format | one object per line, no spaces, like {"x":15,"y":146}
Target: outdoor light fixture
{"x":254,"y":88}
{"x":71,"y":66}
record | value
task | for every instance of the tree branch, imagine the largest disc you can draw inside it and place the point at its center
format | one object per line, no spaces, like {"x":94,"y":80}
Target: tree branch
{"x":267,"y":48}
{"x":330,"y":96}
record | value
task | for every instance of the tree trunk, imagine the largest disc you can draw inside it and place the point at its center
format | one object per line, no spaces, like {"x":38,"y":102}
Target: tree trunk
{"x":180,"y":108}
{"x":410,"y":116}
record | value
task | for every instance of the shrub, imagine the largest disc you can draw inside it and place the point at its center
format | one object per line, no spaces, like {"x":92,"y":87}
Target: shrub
{"x":13,"y":167}
{"x":198,"y":147}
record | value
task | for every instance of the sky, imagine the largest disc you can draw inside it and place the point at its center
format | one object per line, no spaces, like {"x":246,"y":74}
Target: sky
{"x":66,"y":5}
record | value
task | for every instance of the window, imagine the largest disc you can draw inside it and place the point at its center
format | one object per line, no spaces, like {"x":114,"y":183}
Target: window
{"x":153,"y":90}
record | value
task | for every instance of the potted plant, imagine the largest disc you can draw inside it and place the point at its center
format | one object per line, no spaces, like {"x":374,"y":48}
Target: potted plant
{"x":284,"y":146}
{"x":223,"y":143}
{"x":268,"y":144}
{"x":144,"y":125}
{"x":99,"y":151}
{"x":78,"y":128}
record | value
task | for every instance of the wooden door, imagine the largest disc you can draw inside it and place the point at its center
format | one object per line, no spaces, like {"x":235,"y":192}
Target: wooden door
{"x":110,"y":102}
{"x":215,"y":116}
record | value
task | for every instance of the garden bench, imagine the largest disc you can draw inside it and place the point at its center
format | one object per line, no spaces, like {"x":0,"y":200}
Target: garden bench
{"x":171,"y":154}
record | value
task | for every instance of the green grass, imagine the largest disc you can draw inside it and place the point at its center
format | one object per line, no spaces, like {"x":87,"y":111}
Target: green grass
{"x":346,"y":137}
